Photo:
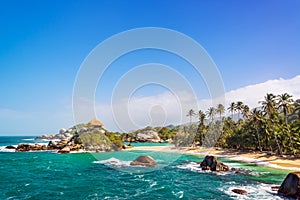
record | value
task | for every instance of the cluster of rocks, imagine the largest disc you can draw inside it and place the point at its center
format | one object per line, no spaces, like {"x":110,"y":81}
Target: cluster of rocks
{"x":211,"y":163}
{"x":63,"y":134}
{"x":28,"y":147}
{"x":144,"y":136}
{"x":64,"y":146}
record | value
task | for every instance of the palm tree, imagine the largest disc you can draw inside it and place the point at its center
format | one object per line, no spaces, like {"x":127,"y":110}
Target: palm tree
{"x":257,"y":119}
{"x":239,"y":107}
{"x":221,"y":110}
{"x":190,"y":114}
{"x":211,"y":113}
{"x":285,"y":104}
{"x":232,"y":109}
{"x":245,"y":111}
{"x":269,"y":106}
{"x":201,"y":116}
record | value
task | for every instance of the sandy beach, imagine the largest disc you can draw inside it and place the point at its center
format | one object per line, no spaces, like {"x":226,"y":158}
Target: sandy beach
{"x":252,"y":157}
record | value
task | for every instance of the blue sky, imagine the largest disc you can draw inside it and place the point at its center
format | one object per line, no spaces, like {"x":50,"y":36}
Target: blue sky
{"x":43,"y":44}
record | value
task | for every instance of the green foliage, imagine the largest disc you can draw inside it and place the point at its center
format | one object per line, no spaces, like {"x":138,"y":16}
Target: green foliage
{"x":94,"y":138}
{"x":274,"y":127}
{"x":78,"y":140}
{"x":115,"y":137}
{"x":165,"y":133}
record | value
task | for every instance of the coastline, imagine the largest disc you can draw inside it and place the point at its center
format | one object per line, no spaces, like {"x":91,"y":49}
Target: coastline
{"x":251,"y":157}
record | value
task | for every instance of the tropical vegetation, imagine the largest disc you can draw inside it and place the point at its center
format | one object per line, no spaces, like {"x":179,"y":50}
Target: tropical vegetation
{"x":274,"y":126}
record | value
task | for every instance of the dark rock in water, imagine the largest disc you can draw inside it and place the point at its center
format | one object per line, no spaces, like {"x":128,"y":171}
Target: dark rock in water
{"x":211,"y":163}
{"x":144,"y":161}
{"x":239,"y":191}
{"x":290,"y":187}
{"x":129,"y":146}
{"x":10,"y":147}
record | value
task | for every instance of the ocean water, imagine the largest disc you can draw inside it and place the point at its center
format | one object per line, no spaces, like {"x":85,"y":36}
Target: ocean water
{"x":47,"y":175}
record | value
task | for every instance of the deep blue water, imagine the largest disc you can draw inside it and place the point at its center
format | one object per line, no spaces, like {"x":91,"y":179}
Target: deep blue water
{"x":47,"y":175}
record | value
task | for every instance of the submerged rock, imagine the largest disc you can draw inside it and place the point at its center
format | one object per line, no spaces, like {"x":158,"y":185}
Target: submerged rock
{"x":240,"y":191}
{"x":129,"y":146}
{"x":144,"y":161}
{"x":290,"y":187}
{"x":211,"y":163}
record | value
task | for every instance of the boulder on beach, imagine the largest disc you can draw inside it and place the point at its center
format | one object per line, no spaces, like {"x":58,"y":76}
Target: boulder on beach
{"x":211,"y":163}
{"x":290,"y":187}
{"x":144,"y":161}
{"x":239,"y":191}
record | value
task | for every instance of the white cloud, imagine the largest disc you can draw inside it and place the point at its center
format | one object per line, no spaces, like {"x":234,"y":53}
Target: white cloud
{"x":252,"y":94}
{"x":140,"y":111}
{"x":165,"y":108}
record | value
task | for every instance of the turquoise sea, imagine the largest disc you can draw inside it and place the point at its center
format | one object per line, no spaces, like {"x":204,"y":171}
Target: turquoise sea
{"x":47,"y":175}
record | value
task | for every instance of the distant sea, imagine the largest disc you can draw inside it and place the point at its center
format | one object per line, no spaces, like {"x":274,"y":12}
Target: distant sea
{"x":47,"y":175}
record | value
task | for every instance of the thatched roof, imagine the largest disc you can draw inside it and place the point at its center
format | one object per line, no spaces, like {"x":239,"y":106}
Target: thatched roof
{"x":95,"y":122}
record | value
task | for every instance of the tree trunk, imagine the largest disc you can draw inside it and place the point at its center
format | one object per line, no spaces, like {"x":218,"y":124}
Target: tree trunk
{"x":289,"y":133}
{"x":258,"y":139}
{"x":276,"y":140}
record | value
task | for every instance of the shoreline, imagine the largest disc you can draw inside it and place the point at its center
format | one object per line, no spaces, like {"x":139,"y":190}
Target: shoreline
{"x":250,"y":157}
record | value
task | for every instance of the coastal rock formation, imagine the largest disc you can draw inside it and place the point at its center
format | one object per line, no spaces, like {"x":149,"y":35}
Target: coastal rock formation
{"x":240,"y":191}
{"x":144,"y":161}
{"x":28,"y":147}
{"x":65,"y":150}
{"x":59,"y":136}
{"x":290,"y":187}
{"x":90,"y":137}
{"x":211,"y":163}
{"x":147,"y":136}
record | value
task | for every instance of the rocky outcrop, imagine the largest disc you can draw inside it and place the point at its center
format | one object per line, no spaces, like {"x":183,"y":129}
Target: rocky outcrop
{"x":240,"y":191}
{"x":290,"y":187}
{"x":211,"y":163}
{"x":28,"y":147}
{"x":61,"y":135}
{"x":147,"y":136}
{"x":144,"y":161}
{"x":90,"y":137}
{"x":66,"y":149}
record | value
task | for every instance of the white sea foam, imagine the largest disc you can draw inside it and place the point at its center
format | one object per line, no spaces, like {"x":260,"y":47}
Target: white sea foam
{"x":28,"y":139}
{"x":259,"y":191}
{"x":3,"y":149}
{"x":178,"y":194}
{"x":192,"y":166}
{"x":113,"y":162}
{"x":195,"y":167}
